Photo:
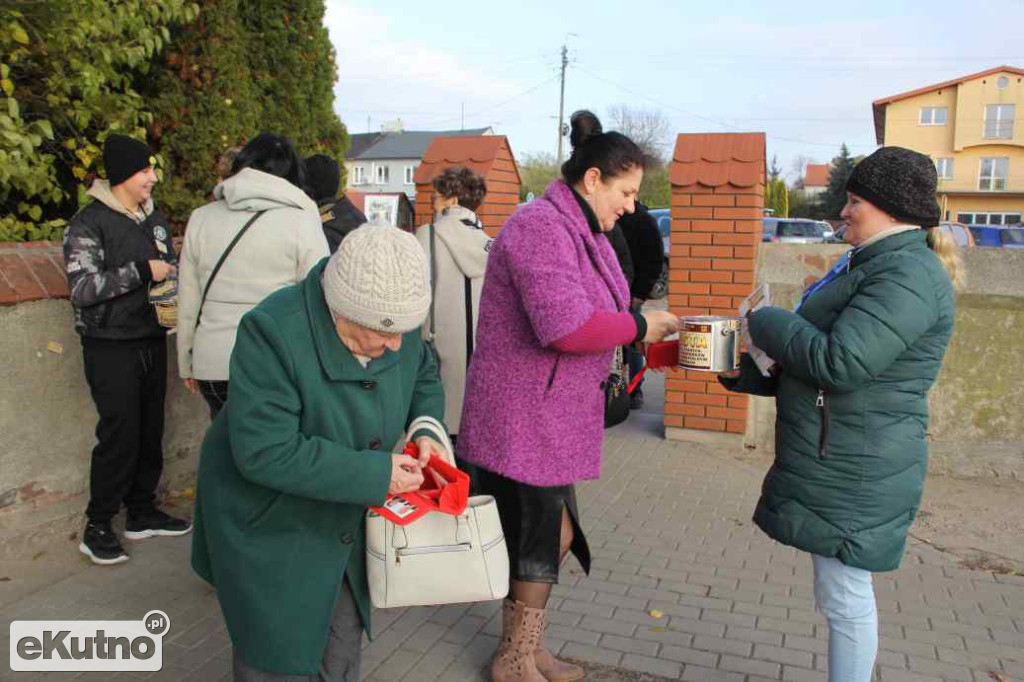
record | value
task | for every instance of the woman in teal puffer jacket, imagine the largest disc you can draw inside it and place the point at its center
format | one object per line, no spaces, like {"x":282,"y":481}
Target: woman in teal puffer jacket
{"x":854,"y":364}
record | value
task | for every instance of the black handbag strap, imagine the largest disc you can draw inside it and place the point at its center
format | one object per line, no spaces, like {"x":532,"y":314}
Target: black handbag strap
{"x":433,"y":278}
{"x":220,"y":263}
{"x":469,"y":319}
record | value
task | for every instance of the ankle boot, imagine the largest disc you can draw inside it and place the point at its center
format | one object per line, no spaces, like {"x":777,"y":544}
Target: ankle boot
{"x":521,"y":631}
{"x":553,"y":669}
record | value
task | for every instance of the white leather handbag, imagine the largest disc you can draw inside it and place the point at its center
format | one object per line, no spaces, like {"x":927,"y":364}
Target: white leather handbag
{"x":438,"y":558}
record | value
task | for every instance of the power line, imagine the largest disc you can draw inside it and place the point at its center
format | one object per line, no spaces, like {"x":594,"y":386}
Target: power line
{"x":763,"y":59}
{"x":503,"y":103}
{"x":707,"y":119}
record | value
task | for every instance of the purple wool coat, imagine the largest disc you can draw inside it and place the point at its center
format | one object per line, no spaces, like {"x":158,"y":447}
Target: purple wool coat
{"x":533,"y":414}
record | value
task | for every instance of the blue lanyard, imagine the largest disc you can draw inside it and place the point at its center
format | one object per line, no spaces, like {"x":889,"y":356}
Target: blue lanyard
{"x":839,"y":268}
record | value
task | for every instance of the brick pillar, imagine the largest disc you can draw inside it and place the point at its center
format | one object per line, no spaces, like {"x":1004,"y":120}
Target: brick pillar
{"x":717,"y":207}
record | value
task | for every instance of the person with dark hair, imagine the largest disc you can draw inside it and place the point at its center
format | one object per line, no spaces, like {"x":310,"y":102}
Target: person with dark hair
{"x":274,"y":155}
{"x":647,"y":253}
{"x":338,"y":215}
{"x":225,"y":162}
{"x":854,"y":364}
{"x":617,"y":238}
{"x":554,"y":306}
{"x":114,"y":249}
{"x":457,"y":248}
{"x":261,"y":233}
{"x":458,"y":186}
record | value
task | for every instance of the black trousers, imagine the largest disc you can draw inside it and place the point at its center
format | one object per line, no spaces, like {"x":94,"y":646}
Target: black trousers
{"x":215,"y":393}
{"x":128,"y":381}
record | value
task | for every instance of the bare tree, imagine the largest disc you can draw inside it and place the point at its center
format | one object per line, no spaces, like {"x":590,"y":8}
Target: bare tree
{"x":798,"y":168}
{"x":649,"y":128}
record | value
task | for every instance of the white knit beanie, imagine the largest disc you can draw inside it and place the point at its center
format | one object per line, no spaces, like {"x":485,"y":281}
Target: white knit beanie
{"x":378,"y":279}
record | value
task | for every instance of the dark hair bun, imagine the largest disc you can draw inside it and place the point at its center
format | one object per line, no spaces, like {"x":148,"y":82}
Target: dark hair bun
{"x":584,"y":126}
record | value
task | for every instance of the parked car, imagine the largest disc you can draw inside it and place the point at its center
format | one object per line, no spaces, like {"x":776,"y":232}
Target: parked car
{"x":960,"y":233}
{"x":998,"y":236}
{"x":664,"y":218}
{"x":829,"y":233}
{"x":796,"y":231}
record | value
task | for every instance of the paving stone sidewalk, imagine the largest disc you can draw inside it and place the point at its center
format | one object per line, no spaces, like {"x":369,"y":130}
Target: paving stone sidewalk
{"x":669,"y":527}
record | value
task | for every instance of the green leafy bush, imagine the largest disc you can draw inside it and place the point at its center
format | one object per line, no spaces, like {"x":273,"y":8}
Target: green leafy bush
{"x":67,"y":74}
{"x":192,"y":83}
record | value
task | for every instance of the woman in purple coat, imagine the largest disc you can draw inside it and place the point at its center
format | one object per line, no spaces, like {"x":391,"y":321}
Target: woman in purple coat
{"x":553,"y":308}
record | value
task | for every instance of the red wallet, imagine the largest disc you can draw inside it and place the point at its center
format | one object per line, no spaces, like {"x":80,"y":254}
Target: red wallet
{"x":445,"y":489}
{"x":659,"y":356}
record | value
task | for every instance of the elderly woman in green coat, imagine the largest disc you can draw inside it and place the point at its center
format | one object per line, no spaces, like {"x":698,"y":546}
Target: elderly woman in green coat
{"x":854,"y":364}
{"x":325,"y":377}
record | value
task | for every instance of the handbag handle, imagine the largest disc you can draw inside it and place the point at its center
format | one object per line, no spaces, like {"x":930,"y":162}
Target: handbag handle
{"x":436,"y":428}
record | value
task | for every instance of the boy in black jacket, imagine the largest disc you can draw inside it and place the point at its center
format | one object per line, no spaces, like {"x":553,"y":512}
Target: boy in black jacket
{"x":114,"y":248}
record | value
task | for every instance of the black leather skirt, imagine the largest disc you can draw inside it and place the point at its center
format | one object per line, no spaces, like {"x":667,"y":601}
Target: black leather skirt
{"x":531,"y":518}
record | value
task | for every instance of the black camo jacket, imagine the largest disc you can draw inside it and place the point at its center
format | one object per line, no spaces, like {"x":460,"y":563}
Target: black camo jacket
{"x":105,"y":258}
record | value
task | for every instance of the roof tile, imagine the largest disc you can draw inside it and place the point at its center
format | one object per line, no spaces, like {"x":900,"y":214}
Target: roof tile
{"x":476,"y":153}
{"x":715,"y":159}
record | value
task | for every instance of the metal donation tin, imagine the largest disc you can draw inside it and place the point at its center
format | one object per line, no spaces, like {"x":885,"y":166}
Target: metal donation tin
{"x":709,"y":343}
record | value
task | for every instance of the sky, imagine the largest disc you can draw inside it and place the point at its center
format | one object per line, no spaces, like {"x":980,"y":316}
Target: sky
{"x":805,"y":73}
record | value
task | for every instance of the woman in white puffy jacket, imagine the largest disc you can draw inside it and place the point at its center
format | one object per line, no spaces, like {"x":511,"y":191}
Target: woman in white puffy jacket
{"x":278,"y":248}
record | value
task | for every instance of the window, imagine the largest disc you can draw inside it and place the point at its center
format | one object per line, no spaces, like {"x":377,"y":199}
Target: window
{"x":382,"y":174}
{"x":1002,"y":82}
{"x":358,"y":175}
{"x":934,"y":116}
{"x":988,"y":218}
{"x":999,"y":121}
{"x":409,"y":172}
{"x":800,"y":228}
{"x":665,"y":226}
{"x":993,"y":173}
{"x":944,"y":167}
{"x":1012,"y":237}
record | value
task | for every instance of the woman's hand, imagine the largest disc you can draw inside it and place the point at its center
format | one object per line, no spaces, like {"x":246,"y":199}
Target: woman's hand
{"x":427,"y":446}
{"x":731,"y":374}
{"x":660,"y":323}
{"x":191,"y":386}
{"x":406,"y":475}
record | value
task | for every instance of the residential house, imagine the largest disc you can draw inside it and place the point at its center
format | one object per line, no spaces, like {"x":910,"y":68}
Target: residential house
{"x":816,"y":179}
{"x":972,"y":127}
{"x":386,"y":162}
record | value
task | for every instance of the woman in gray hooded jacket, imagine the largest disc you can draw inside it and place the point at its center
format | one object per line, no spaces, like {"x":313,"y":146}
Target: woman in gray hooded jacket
{"x":457,"y":249}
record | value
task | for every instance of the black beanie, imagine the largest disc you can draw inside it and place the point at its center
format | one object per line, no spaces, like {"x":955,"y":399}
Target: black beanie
{"x":125,"y":156}
{"x":901,"y":182}
{"x":323,"y":174}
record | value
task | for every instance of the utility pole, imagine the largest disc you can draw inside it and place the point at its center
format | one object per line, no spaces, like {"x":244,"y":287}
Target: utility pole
{"x":561,"y":101}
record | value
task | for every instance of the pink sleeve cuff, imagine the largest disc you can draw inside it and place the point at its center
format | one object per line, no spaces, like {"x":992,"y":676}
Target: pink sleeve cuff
{"x":604,"y":330}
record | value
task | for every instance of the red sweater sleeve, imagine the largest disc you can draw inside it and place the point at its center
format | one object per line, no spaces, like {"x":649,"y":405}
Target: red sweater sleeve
{"x":604,"y":330}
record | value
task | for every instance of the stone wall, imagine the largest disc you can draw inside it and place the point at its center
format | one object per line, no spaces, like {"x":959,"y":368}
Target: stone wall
{"x":47,"y":422}
{"x":977,"y":405}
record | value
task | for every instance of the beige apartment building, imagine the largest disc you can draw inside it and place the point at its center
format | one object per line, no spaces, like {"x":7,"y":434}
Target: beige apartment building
{"x":973,"y":127}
